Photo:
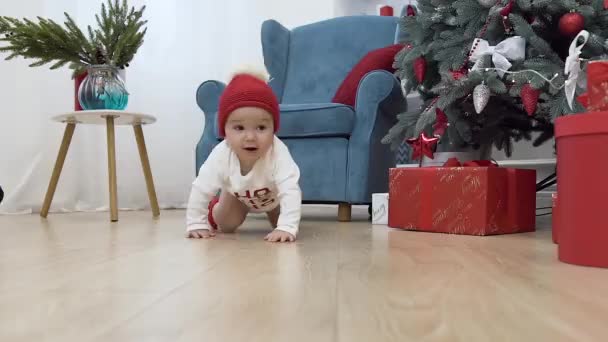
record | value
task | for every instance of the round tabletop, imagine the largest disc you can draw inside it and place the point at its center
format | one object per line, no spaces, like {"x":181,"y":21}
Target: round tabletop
{"x":98,"y":117}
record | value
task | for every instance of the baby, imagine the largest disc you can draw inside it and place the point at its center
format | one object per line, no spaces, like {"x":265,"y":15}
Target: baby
{"x":251,"y":168}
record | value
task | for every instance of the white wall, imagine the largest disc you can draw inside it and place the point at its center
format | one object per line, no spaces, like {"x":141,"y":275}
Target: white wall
{"x":188,"y":41}
{"x":355,"y":7}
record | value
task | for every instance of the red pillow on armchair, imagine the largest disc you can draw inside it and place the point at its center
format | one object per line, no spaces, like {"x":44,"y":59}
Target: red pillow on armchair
{"x":379,"y":59}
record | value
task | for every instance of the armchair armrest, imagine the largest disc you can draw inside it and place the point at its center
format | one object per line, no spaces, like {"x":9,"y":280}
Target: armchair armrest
{"x":379,"y":88}
{"x":379,"y":100}
{"x":207,"y":98}
{"x":208,"y":95}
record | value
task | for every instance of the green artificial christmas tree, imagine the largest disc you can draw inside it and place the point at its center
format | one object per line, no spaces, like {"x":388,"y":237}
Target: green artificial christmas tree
{"x":493,"y":71}
{"x":114,"y":42}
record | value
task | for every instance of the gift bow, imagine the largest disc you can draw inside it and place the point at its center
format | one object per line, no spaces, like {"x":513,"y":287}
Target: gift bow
{"x":573,"y":66}
{"x":513,"y":49}
{"x":583,"y":99}
{"x":454,"y":162}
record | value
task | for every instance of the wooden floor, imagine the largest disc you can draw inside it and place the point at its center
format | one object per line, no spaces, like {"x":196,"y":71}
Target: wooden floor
{"x":78,"y":277}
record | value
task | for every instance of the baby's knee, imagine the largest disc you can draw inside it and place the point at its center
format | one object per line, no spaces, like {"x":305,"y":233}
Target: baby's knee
{"x":229,"y":216}
{"x":229,"y":223}
{"x":228,"y":229}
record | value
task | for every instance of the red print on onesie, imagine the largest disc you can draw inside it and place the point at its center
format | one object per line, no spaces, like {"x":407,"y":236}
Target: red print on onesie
{"x":261,"y":198}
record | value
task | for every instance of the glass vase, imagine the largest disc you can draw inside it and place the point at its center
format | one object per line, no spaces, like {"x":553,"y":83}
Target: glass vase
{"x":103,"y":88}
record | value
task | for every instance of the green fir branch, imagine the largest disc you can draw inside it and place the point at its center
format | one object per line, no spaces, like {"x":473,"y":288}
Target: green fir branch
{"x":119,"y":35}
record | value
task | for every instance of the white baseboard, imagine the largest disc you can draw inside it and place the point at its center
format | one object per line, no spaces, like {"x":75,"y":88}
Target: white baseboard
{"x":529,"y":163}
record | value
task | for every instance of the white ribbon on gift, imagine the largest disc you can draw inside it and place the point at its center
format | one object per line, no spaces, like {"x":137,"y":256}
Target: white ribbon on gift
{"x":573,"y":66}
{"x":510,"y":49}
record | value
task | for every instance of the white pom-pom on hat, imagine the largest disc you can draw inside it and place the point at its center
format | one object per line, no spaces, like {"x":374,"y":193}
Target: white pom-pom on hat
{"x":251,"y":70}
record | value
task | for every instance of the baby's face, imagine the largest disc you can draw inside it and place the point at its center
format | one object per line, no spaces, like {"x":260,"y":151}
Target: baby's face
{"x":250,"y":132}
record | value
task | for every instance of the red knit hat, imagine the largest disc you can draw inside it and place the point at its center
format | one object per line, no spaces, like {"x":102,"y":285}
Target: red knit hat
{"x":245,"y":90}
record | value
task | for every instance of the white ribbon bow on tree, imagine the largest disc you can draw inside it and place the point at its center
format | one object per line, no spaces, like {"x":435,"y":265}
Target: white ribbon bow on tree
{"x":510,"y":49}
{"x":573,"y":66}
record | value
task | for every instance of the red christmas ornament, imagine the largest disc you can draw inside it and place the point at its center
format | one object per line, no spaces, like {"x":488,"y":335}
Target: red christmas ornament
{"x":458,"y":74}
{"x":420,"y":68}
{"x":411,"y":12}
{"x":422,"y":145}
{"x":530,"y":18}
{"x":441,"y":123}
{"x":507,"y":9}
{"x":571,"y":24}
{"x":605,"y":4}
{"x":529,"y":97}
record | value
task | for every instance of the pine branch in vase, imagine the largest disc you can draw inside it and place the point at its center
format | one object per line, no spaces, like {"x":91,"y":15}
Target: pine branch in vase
{"x":119,"y":35}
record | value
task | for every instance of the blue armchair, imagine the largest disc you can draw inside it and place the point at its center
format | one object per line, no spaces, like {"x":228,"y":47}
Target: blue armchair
{"x":337,"y":147}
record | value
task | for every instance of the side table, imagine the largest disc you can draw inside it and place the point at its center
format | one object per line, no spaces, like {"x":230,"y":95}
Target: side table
{"x":109,"y":118}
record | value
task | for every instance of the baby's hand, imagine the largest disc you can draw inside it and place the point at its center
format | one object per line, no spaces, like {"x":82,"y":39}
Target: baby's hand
{"x":280,"y":236}
{"x":201,"y":234}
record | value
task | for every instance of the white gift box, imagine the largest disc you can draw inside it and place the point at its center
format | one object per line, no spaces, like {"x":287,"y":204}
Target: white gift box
{"x":380,"y":208}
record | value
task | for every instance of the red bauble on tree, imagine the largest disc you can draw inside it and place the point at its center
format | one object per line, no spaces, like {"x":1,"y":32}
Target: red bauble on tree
{"x":441,"y":123}
{"x":507,"y":9}
{"x":411,"y":12}
{"x":571,"y":24}
{"x":529,"y":97}
{"x":458,"y":74}
{"x":420,"y":68}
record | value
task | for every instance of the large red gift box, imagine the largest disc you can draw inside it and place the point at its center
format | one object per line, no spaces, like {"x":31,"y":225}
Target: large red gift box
{"x":463,"y":200}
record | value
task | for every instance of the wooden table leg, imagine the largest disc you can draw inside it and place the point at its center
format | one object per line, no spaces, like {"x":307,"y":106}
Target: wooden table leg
{"x":63,"y":151}
{"x":112,"y":168}
{"x":145,"y":164}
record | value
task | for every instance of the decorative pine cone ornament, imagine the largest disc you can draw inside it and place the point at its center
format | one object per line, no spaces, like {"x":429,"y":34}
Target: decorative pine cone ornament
{"x":420,"y":68}
{"x":481,"y":97}
{"x":529,"y":97}
{"x":100,"y":55}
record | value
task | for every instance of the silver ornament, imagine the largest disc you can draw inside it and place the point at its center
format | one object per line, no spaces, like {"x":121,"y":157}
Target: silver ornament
{"x":404,"y":87}
{"x":487,"y":3}
{"x":481,"y":97}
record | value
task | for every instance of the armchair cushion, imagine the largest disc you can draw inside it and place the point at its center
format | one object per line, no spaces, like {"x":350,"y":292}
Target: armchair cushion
{"x":378,"y":59}
{"x":316,"y":120}
{"x":313,"y":120}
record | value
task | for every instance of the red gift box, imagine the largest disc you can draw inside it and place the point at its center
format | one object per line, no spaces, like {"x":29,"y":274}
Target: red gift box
{"x":582,"y":234}
{"x":463,"y":200}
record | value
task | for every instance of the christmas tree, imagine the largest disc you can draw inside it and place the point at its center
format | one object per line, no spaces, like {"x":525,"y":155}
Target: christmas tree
{"x":494,"y":71}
